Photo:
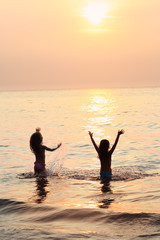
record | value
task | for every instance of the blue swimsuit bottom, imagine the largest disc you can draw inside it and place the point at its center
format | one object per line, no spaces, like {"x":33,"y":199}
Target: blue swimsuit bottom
{"x":106,"y":175}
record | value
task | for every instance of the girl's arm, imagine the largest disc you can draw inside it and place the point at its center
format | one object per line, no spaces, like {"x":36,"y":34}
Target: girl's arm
{"x":52,"y":149}
{"x":94,"y":144}
{"x":116,"y":141}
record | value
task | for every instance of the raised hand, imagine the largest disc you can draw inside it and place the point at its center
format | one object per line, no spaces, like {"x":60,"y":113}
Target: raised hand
{"x":59,"y":145}
{"x":121,"y":132}
{"x":90,"y":133}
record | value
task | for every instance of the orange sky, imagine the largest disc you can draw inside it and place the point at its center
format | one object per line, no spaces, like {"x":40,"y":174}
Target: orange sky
{"x":51,"y":44}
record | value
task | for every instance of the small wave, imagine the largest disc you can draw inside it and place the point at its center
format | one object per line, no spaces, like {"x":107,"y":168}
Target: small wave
{"x":135,"y":218}
{"x":149,"y":236}
{"x":80,"y":174}
{"x":129,"y":173}
{"x":118,"y":174}
{"x":9,"y":206}
{"x":47,"y":173}
{"x":43,"y":213}
{"x":26,"y":175}
{"x":91,"y":215}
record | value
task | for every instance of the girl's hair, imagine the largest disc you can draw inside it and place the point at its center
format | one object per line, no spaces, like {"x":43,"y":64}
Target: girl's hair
{"x":35,"y":141}
{"x":103,"y":147}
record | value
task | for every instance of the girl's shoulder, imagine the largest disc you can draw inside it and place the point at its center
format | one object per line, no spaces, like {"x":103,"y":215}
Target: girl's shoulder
{"x":109,"y":152}
{"x":43,"y":147}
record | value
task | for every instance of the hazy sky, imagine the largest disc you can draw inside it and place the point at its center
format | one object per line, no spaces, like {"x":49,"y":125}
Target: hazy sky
{"x":47,"y":44}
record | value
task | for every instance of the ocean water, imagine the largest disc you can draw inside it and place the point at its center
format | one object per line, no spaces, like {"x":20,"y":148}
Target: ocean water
{"x":71,"y":202}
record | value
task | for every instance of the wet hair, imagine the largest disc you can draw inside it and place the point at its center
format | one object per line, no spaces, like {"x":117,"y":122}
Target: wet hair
{"x":36,"y":141}
{"x":103,"y":147}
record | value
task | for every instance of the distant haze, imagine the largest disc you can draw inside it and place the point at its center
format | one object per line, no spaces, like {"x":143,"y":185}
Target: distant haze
{"x":52,"y":45}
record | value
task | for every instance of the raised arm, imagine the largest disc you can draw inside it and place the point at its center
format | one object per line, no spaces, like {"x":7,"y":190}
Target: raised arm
{"x":116,"y":141}
{"x":52,"y":149}
{"x":94,"y":144}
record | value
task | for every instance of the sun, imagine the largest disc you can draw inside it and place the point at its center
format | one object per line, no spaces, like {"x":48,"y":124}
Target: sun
{"x":95,"y":12}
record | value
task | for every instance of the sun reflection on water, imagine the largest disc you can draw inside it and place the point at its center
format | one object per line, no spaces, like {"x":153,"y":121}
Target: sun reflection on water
{"x":100,"y":109}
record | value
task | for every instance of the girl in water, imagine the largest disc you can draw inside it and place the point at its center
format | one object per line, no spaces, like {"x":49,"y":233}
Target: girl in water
{"x":37,"y":147}
{"x":105,"y":154}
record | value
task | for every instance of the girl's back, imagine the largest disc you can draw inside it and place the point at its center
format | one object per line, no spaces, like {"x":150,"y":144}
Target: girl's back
{"x":105,"y":161}
{"x":40,"y":154}
{"x":105,"y":155}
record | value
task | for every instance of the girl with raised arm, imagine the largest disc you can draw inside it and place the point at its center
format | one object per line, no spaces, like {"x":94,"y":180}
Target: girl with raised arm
{"x":37,"y":147}
{"x":105,"y":154}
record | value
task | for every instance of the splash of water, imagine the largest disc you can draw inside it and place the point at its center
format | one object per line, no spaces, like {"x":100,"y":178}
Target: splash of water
{"x":55,"y":161}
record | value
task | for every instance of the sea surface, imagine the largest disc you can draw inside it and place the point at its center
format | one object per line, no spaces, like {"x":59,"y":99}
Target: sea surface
{"x":71,"y":202}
